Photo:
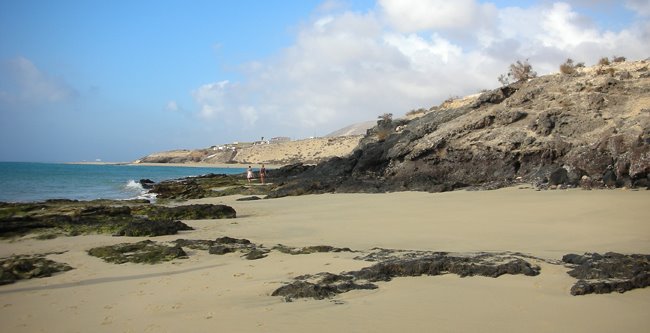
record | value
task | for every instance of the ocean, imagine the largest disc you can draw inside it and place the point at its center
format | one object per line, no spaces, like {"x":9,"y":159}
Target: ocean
{"x":30,"y":182}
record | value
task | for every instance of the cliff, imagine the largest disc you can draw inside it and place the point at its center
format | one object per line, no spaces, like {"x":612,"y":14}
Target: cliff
{"x":591,"y":127}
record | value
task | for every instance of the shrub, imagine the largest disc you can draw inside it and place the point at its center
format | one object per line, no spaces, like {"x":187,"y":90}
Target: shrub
{"x":386,"y":117}
{"x":568,"y":67}
{"x":618,"y":59}
{"x":416,"y":112}
{"x":519,"y":71}
{"x":604,"y":61}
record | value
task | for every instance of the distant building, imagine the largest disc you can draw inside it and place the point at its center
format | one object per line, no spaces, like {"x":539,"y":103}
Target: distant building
{"x":280,"y":139}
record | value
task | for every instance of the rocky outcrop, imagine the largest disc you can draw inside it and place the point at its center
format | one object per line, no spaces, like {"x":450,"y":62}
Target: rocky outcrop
{"x":211,"y":185}
{"x":144,"y":252}
{"x":122,"y":218}
{"x":189,"y":212}
{"x":607,"y":273}
{"x":549,"y":131}
{"x":249,"y":250}
{"x":326,"y":285}
{"x":151,"y":228}
{"x":24,"y":267}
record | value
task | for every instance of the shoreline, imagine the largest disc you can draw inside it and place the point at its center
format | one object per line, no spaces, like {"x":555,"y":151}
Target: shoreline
{"x":188,"y":165}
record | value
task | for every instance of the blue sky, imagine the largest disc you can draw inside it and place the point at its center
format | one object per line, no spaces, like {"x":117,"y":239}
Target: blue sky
{"x":116,"y":80}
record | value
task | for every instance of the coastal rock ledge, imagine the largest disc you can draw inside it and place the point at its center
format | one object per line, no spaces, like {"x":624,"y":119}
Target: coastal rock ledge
{"x":607,"y":273}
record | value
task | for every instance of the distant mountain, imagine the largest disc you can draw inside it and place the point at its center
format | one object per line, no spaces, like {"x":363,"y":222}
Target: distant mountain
{"x":354,"y":129}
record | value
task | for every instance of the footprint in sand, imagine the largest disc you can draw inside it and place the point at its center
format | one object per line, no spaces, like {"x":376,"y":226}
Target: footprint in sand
{"x":107,"y":320}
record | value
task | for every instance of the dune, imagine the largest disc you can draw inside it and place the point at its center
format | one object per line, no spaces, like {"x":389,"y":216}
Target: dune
{"x":227,"y":293}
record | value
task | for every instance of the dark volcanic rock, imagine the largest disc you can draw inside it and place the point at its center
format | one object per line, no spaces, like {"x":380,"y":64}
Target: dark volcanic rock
{"x":146,"y":252}
{"x":147,"y":184}
{"x":211,"y":185}
{"x":256,"y":253}
{"x":152,"y":228}
{"x":309,"y":249}
{"x":190,"y":212}
{"x":325,"y":285}
{"x":252,"y":198}
{"x":221,"y":249}
{"x":135,"y":217}
{"x":610,"y":272}
{"x":28,"y":267}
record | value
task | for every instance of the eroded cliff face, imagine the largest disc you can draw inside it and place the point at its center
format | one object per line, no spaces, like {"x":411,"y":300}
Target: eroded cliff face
{"x":590,"y":128}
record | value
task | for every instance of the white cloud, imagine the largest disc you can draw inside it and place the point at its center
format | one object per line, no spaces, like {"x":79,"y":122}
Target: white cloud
{"x":249,"y":115}
{"x":350,"y":67}
{"x":211,"y":98}
{"x":21,"y":82}
{"x":417,"y":15}
{"x":641,"y":7}
{"x":172,"y":106}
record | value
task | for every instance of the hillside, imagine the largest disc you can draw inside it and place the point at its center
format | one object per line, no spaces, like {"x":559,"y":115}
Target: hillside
{"x":591,"y":128}
{"x":309,"y":151}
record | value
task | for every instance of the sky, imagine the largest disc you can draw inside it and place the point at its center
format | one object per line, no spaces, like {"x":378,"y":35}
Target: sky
{"x":82,"y":80}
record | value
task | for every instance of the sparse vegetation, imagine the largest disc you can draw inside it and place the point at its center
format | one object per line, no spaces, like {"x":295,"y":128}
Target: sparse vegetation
{"x":618,"y":59}
{"x":386,"y":117}
{"x":519,"y":71}
{"x":416,"y":112}
{"x":568,"y":67}
{"x":604,"y":61}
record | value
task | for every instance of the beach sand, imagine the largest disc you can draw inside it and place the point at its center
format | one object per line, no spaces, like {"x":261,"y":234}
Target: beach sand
{"x":230,"y":294}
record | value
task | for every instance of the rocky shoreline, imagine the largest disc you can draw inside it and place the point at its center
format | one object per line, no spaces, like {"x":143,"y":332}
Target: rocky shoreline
{"x":596,"y":273}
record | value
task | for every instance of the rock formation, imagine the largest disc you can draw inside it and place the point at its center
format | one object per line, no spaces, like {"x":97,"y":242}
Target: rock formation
{"x":120,"y":218}
{"x":610,"y":272}
{"x":145,"y":252}
{"x":326,"y":285}
{"x":551,"y":130}
{"x":24,"y":267}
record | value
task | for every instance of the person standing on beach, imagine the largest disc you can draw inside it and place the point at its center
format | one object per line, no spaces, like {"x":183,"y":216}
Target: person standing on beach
{"x":249,"y":174}
{"x":262,"y":173}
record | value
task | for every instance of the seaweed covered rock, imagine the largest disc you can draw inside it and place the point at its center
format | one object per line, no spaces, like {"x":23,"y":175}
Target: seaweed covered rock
{"x":146,"y":252}
{"x":320,"y":286}
{"x":610,"y":272}
{"x":309,"y":249}
{"x":151,"y":228}
{"x":211,"y":185}
{"x":189,"y":212}
{"x":132,"y":218}
{"x":24,"y":267}
{"x":325,"y":285}
{"x":225,"y":245}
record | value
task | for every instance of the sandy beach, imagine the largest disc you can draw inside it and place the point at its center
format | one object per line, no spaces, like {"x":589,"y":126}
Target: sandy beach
{"x":229,"y":294}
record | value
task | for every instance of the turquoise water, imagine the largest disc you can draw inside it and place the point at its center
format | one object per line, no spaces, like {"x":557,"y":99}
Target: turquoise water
{"x":21,"y":182}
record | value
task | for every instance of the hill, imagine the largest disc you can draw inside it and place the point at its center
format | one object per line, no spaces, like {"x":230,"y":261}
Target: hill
{"x":591,"y":127}
{"x":308,"y":151}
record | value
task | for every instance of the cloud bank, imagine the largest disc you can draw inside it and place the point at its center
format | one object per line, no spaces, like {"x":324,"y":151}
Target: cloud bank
{"x":23,"y":84}
{"x":347,"y":66}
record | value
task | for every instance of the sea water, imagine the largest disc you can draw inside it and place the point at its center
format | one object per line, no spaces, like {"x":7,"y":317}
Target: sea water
{"x":29,"y":182}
